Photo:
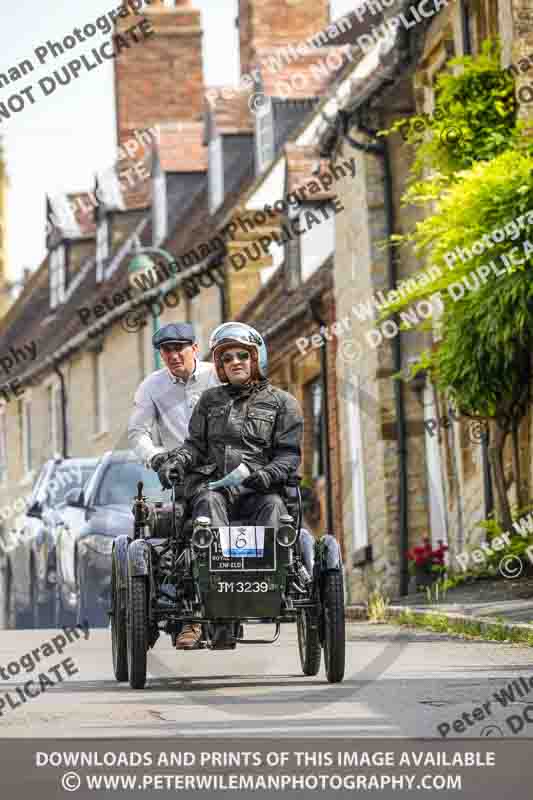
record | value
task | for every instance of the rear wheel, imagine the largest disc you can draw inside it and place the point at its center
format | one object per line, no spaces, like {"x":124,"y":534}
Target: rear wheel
{"x":333,"y":626}
{"x":119,"y":638}
{"x":308,"y":643}
{"x":137,"y":630}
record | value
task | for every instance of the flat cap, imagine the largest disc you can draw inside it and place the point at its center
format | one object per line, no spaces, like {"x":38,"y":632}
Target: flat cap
{"x":174,"y":332}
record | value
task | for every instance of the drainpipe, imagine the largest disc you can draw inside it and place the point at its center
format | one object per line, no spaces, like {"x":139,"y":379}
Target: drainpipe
{"x":61,"y":377}
{"x":381,"y":149}
{"x":326,"y":449}
{"x":487,"y":480}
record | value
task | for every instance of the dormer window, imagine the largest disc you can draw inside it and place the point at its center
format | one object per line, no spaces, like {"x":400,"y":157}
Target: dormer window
{"x":216,"y":174}
{"x":58,"y":275}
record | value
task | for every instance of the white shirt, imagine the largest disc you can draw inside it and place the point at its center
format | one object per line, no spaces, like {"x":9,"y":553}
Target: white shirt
{"x":166,"y":403}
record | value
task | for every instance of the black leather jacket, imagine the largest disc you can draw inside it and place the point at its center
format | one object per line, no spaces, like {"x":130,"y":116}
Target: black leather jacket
{"x":258,"y":424}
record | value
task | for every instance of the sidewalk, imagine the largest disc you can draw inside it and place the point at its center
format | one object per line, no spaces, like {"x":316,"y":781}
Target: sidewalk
{"x":510,"y":601}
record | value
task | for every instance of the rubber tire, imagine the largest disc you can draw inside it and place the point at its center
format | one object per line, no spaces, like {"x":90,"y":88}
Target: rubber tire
{"x":119,"y":635}
{"x":62,"y":618}
{"x":334,"y":626}
{"x":137,"y":630}
{"x":308,"y":645}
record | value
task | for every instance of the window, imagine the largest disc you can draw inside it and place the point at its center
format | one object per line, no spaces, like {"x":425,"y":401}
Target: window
{"x":216,"y":174}
{"x":3,"y":448}
{"x":317,"y":222}
{"x":317,"y":429}
{"x":264,"y":137}
{"x":25,"y":433}
{"x":55,"y":419}
{"x":57,"y":274}
{"x":99,"y":394}
{"x":356,"y":466}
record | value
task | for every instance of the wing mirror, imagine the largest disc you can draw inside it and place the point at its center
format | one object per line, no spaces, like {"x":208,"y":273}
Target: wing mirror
{"x":35,"y":510}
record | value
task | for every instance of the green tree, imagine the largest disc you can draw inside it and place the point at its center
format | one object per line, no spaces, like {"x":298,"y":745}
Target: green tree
{"x":481,"y":183}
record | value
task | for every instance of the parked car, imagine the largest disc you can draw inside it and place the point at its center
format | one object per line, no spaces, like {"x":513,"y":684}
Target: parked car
{"x":30,"y":571}
{"x":91,"y":520}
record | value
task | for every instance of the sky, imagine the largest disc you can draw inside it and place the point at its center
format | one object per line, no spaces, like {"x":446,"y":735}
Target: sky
{"x":59,"y":142}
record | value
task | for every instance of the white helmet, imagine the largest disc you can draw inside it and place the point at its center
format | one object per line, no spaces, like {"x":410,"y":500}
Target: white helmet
{"x":230,"y":334}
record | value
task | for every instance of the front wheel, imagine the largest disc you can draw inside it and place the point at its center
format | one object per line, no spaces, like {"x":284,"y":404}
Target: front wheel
{"x":308,"y":643}
{"x":334,"y":626}
{"x":137,"y":630}
{"x":119,"y":638}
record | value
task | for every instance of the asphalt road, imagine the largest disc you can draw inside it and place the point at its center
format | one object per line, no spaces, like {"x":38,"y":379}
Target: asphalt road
{"x":398,"y":683}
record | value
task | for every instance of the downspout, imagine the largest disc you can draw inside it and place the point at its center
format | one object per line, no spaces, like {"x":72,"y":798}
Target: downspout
{"x":488,"y":494}
{"x":326,"y":449}
{"x":381,"y":149}
{"x":61,"y":377}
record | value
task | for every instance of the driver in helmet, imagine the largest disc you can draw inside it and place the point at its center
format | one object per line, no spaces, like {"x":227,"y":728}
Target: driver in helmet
{"x":245,"y":420}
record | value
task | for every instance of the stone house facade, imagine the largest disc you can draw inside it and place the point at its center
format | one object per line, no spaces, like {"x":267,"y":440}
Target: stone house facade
{"x":408,"y":480}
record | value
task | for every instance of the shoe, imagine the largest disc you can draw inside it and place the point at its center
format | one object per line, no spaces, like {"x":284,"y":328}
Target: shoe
{"x":189,"y":638}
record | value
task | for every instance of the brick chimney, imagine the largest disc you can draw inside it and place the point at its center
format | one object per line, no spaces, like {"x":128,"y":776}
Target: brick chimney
{"x":160,"y":79}
{"x":268,"y":24}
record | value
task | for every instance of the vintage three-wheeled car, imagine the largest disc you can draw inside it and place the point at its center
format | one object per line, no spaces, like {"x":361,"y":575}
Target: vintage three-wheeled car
{"x":173,"y":571}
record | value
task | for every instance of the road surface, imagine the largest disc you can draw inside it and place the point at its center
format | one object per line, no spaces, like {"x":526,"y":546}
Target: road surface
{"x":398,"y":683}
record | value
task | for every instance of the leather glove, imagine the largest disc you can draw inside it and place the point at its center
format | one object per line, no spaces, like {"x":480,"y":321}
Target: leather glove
{"x":157,"y":461}
{"x":259,"y":481}
{"x":172,"y":471}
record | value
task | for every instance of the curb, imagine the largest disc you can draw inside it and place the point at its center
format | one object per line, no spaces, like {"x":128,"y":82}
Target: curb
{"x":359,"y":612}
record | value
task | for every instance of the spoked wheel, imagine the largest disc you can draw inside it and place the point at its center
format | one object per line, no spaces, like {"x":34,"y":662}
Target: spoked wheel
{"x":333,"y":626}
{"x":119,"y":636}
{"x":308,"y":643}
{"x":137,"y":630}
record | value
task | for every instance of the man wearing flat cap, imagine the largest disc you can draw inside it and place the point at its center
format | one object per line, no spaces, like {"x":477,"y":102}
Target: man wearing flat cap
{"x":165,"y":400}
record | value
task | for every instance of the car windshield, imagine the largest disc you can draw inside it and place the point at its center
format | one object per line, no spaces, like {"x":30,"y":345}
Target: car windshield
{"x":119,"y":484}
{"x":66,"y":478}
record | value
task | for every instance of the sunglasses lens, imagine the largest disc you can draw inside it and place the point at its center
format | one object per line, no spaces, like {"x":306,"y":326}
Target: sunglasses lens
{"x":229,"y":357}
